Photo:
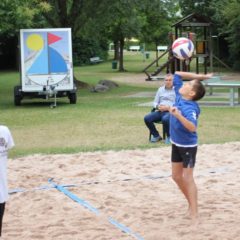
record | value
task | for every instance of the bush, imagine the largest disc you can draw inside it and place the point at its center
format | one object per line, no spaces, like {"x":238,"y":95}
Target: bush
{"x":84,"y":49}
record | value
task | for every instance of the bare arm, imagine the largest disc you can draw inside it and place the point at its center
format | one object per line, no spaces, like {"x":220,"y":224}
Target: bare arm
{"x":186,"y":123}
{"x":189,"y":75}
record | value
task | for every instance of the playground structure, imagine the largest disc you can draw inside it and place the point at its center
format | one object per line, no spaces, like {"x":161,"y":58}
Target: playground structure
{"x":199,"y":30}
{"x":46,"y":65}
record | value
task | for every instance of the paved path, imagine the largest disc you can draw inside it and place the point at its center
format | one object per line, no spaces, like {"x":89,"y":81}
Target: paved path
{"x":203,"y":102}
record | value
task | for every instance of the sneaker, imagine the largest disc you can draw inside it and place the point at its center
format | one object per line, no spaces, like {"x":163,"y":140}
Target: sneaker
{"x":155,"y":139}
{"x":167,"y":140}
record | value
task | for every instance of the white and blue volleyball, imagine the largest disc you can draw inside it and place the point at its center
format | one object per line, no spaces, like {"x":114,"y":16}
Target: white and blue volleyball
{"x":182,"y":48}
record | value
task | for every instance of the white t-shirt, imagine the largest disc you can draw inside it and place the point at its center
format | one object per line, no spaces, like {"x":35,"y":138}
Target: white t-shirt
{"x":6,"y":142}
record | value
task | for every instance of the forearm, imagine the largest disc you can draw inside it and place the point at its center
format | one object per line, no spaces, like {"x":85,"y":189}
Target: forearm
{"x":163,"y":108}
{"x":190,"y":75}
{"x":156,"y":99}
{"x":186,"y":123}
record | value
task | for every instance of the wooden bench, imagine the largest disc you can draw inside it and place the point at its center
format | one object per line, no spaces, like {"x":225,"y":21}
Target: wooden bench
{"x":134,"y":48}
{"x":162,"y":48}
{"x":94,"y":60}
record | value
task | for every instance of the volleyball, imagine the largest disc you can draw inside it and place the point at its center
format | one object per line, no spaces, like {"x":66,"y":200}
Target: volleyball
{"x":182,"y":48}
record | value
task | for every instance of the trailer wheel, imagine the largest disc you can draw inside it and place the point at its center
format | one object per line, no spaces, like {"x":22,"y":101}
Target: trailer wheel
{"x":17,"y":95}
{"x":72,"y":98}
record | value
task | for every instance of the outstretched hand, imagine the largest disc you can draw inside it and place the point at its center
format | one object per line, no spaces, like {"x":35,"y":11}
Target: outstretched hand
{"x":209,"y":75}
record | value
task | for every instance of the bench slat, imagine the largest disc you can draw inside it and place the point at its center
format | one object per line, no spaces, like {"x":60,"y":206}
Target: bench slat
{"x":95,"y":60}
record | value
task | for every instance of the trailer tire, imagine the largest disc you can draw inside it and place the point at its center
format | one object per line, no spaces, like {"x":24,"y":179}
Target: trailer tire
{"x":17,"y":95}
{"x":72,"y":98}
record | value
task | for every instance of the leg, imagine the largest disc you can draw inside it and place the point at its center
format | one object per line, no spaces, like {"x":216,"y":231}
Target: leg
{"x":2,"y":208}
{"x":149,"y":120}
{"x":177,"y":176}
{"x":183,"y":162}
{"x":165,"y":121}
{"x":191,"y":191}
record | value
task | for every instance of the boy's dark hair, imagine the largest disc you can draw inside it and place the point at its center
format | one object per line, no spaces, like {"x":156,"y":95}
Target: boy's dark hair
{"x":199,"y":90}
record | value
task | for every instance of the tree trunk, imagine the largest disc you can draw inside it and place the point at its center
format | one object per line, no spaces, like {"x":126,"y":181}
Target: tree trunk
{"x":121,"y":68}
{"x":156,"y":54}
{"x":116,"y":50}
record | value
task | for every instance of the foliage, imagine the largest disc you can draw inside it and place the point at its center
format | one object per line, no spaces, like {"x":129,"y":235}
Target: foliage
{"x":225,"y":16}
{"x":83,"y":18}
{"x":99,"y":22}
{"x":16,"y":14}
{"x":84,"y":49}
{"x":124,"y":22}
{"x":231,"y":13}
{"x":202,"y":7}
{"x":159,"y":16}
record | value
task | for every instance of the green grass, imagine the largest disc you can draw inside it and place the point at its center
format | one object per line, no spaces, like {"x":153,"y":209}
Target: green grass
{"x":99,"y":121}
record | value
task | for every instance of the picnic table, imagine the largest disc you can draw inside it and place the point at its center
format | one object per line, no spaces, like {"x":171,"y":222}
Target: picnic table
{"x":219,"y":83}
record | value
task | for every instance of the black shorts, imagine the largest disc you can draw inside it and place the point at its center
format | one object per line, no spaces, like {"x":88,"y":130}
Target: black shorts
{"x":186,"y":155}
{"x":2,"y":208}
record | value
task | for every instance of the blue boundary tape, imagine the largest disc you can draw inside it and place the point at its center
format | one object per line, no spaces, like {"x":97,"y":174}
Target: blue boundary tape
{"x":45,"y":187}
{"x":93,"y":209}
{"x":124,"y":228}
{"x":74,"y":197}
{"x":207,"y":172}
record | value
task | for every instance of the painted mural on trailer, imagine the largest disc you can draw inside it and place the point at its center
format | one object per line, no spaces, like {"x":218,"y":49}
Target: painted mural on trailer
{"x":46,"y":58}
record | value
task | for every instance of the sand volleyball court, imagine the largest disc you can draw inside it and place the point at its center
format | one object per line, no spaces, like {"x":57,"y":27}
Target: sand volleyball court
{"x":132,"y":188}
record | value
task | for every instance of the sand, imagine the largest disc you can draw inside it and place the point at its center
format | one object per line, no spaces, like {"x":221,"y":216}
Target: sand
{"x":133,"y":188}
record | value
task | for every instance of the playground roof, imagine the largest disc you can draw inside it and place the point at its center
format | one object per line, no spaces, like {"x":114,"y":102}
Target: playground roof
{"x":193,"y":19}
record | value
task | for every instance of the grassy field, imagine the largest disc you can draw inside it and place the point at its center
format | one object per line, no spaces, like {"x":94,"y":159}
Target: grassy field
{"x":99,"y":121}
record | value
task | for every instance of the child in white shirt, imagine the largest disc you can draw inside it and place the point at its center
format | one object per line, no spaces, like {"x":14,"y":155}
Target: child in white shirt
{"x":6,"y":143}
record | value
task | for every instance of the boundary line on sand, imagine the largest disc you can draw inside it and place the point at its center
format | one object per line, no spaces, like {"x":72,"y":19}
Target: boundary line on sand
{"x":94,"y":210}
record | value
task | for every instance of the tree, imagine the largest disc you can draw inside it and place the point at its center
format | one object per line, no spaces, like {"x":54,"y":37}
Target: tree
{"x":201,"y":7}
{"x":231,"y":27}
{"x":123,"y":22}
{"x":159,"y":15}
{"x":14,"y":15}
{"x":69,"y":13}
{"x":225,"y":16}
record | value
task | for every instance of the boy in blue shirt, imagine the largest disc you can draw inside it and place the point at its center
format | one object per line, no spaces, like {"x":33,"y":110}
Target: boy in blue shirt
{"x":183,"y":126}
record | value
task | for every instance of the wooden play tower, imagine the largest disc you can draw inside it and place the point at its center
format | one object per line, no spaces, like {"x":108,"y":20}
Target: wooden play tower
{"x":198,"y":29}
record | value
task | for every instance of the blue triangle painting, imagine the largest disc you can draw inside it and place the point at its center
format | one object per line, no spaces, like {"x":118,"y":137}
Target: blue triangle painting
{"x":49,"y":61}
{"x":56,"y":62}
{"x":40,"y":65}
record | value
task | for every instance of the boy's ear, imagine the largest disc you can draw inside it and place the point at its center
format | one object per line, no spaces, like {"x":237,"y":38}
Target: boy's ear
{"x":192,"y":93}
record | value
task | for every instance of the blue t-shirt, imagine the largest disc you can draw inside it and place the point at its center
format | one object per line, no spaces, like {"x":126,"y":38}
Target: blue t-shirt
{"x":179,"y":135}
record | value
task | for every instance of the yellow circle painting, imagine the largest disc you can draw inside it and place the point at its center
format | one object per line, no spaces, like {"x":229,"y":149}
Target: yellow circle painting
{"x":35,"y":42}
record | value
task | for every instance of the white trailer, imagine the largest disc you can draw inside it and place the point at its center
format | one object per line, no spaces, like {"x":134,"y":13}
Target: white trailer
{"x":46,"y":65}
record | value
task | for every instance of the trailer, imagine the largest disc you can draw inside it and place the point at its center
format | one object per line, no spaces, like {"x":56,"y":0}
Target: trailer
{"x":46,"y":65}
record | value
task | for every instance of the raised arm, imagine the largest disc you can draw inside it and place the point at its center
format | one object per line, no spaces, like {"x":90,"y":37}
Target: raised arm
{"x":190,"y":75}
